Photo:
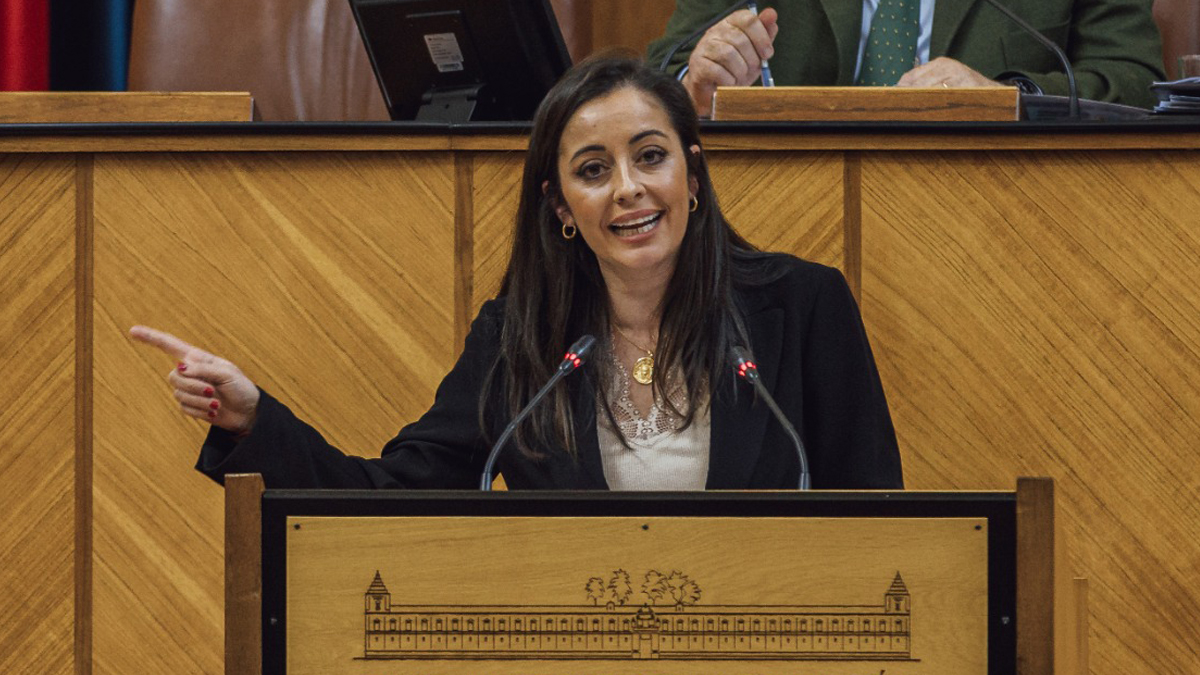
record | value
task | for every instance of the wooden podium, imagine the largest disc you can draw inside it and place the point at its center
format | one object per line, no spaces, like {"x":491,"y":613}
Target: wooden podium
{"x":610,"y":583}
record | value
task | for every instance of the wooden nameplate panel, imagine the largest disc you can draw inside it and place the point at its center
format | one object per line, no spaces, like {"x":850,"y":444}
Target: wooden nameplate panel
{"x":624,"y":595}
{"x":124,"y":106}
{"x":866,"y":104}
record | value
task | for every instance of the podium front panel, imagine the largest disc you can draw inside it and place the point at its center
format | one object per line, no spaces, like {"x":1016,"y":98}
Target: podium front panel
{"x":816,"y":583}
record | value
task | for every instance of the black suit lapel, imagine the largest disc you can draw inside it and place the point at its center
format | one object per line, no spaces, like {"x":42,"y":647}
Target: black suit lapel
{"x":738,"y":424}
{"x":587,"y":442}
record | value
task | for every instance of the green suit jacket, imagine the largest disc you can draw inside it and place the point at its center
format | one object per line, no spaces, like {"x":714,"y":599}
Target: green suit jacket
{"x":1114,"y":45}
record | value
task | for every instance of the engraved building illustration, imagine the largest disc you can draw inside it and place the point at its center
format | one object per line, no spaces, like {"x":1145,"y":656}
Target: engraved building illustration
{"x":615,"y":631}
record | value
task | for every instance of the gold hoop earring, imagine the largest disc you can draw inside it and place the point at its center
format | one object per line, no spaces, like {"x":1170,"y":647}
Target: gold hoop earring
{"x":569,"y":230}
{"x":693,"y":204}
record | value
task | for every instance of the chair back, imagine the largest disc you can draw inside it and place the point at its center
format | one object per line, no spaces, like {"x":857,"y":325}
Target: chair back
{"x":1179,"y":23}
{"x":299,"y":59}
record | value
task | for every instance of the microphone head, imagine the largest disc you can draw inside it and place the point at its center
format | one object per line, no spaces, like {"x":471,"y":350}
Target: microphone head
{"x":582,"y":346}
{"x":743,"y":362}
{"x":577,"y":352}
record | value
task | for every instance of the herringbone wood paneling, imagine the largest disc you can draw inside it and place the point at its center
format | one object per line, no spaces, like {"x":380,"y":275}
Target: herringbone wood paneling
{"x":1040,"y":315}
{"x":1033,"y":312}
{"x":787,"y":202}
{"x":326,"y":277}
{"x":37,"y":419}
{"x":496,"y":190}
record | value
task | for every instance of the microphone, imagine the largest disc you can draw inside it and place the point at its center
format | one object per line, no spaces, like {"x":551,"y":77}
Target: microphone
{"x":570,"y":363}
{"x":662,"y":68}
{"x":744,"y":364}
{"x":1072,"y":89}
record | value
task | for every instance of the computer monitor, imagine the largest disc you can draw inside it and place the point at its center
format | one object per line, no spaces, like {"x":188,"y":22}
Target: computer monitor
{"x":462,"y":60}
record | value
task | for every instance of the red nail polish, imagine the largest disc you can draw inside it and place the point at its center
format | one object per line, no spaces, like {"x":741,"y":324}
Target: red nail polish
{"x":208,"y":391}
{"x":214,"y":404}
{"x":182,"y":366}
{"x":212,"y":414}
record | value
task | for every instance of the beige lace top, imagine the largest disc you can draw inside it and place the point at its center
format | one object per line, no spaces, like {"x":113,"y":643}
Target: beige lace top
{"x":659,"y":456}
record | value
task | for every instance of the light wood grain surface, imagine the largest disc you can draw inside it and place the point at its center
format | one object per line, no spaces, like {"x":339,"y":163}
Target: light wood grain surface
{"x":798,"y":211}
{"x":1032,"y":307}
{"x":539,"y":564}
{"x":317,"y":275}
{"x":496,"y":190}
{"x":37,"y":430}
{"x":25,"y":107}
{"x":1037,"y":315}
{"x":865,"y":104}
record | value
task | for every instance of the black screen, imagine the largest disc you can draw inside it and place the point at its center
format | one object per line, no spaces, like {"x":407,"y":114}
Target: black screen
{"x":430,"y":56}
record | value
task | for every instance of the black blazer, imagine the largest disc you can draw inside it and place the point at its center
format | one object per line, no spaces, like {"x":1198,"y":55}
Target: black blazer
{"x":812,"y":352}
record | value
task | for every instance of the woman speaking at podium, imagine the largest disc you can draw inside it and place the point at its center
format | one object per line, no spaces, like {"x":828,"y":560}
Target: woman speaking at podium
{"x":618,"y":235}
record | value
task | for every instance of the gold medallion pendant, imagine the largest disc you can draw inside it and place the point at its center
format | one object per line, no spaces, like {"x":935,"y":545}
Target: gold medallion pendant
{"x":643,"y":370}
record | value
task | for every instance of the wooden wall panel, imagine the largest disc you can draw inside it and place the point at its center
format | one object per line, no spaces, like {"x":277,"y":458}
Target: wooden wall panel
{"x":327,"y":277}
{"x":1033,"y":312}
{"x":37,"y":418}
{"x":789,"y":202}
{"x":496,"y":191}
{"x":1039,"y":315}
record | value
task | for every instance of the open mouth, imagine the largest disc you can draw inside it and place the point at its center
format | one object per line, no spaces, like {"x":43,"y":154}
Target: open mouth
{"x":635,"y":227}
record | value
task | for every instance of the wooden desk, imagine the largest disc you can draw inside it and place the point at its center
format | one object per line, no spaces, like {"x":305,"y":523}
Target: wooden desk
{"x":1031,"y":297}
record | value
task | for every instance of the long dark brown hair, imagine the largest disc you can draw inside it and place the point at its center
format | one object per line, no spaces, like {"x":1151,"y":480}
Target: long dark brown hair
{"x":553,"y":287}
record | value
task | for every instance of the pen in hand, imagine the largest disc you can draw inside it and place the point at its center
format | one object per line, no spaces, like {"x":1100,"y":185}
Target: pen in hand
{"x":767,"y":80}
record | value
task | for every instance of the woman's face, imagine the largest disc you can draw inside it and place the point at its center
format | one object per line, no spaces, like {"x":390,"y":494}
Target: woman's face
{"x":625,"y":183}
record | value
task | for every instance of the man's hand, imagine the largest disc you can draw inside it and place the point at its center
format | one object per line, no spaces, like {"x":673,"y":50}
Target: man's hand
{"x":730,"y":54}
{"x":944,"y":72}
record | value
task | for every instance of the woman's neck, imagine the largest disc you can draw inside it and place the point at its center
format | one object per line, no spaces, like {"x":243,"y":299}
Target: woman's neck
{"x":636,"y":303}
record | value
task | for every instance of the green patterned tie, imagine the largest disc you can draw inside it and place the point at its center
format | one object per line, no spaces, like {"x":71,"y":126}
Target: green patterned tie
{"x":891,"y":44}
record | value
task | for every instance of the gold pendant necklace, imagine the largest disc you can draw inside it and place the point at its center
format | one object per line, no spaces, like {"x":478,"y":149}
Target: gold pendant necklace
{"x":643,"y":368}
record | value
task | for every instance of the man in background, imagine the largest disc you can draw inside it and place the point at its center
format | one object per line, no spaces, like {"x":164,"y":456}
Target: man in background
{"x":1114,"y":45}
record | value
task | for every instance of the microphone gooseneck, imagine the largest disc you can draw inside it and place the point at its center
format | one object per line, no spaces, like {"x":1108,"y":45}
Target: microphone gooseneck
{"x":1072,"y":90}
{"x":571,"y":362}
{"x":698,"y":32}
{"x":743,"y":363}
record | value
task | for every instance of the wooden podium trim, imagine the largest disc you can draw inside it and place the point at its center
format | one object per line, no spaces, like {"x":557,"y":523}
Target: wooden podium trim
{"x":30,"y":107}
{"x":866,"y":104}
{"x":1035,"y":554}
{"x":1035,"y":576}
{"x":282,"y":509}
{"x":243,"y":574}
